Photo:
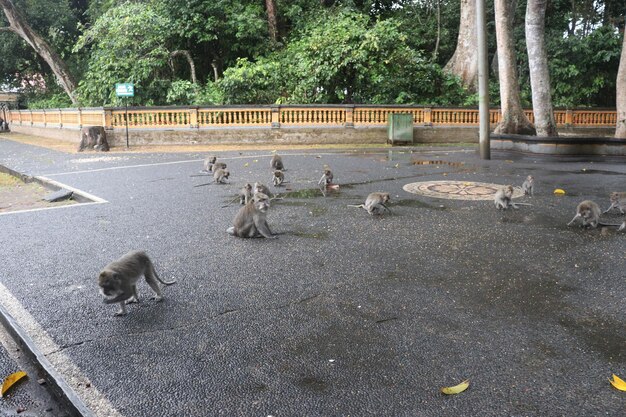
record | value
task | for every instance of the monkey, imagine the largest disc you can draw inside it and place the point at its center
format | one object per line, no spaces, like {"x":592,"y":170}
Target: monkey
{"x":220,"y":175}
{"x":528,"y":185}
{"x":119,"y":279}
{"x":260,"y":188}
{"x":219,"y":165}
{"x":327,"y":178}
{"x":208,"y":163}
{"x":251,"y":219}
{"x":245,"y":194}
{"x":503,"y":196}
{"x":278,"y":178}
{"x":277,"y":162}
{"x":618,"y":200}
{"x":589,"y":213}
{"x":375,"y":203}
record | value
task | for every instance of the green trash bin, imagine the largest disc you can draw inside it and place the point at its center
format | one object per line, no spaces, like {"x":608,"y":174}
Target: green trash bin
{"x":400,"y":128}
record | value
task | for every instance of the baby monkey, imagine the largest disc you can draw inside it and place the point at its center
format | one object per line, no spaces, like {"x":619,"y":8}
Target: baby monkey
{"x":119,"y":279}
{"x":528,"y":185}
{"x":618,"y":200}
{"x":375,"y":203}
{"x":245,"y":194}
{"x":503,"y":197}
{"x":251,"y":220}
{"x":327,"y":178}
{"x":278,"y":178}
{"x":220,"y":175}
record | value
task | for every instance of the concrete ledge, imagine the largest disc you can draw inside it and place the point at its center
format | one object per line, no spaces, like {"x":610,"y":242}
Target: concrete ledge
{"x":565,"y":145}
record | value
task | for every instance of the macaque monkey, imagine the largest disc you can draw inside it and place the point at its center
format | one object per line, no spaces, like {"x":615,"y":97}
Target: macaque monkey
{"x":220,"y":175}
{"x":327,"y":178}
{"x":528,"y":185}
{"x":119,"y":279}
{"x":208,"y":163}
{"x":251,"y":219}
{"x":245,"y":194}
{"x":375,"y":203}
{"x":277,"y":162}
{"x":262,"y":189}
{"x":503,"y":197}
{"x":589,"y":213}
{"x":618,"y":200}
{"x":278,"y":178}
{"x":219,"y":165}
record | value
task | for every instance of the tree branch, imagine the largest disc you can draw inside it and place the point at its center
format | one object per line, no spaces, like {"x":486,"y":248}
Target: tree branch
{"x":192,"y":65}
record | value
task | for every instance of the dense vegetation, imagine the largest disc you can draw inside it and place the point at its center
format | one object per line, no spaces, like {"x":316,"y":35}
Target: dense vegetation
{"x":322,"y":51}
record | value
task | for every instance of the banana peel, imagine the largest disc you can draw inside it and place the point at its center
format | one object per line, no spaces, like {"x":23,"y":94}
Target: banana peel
{"x":456,"y":389}
{"x":558,"y":191}
{"x":618,"y":383}
{"x":10,"y":380}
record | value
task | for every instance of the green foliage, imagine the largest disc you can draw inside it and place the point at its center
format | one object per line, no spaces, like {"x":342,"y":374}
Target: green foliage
{"x":127,"y":44}
{"x":251,"y":83}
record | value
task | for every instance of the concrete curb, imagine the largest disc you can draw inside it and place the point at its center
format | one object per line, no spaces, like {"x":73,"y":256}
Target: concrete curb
{"x":57,"y":385}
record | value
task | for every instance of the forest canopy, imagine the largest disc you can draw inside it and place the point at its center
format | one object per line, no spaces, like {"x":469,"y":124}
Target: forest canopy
{"x":197,"y":52}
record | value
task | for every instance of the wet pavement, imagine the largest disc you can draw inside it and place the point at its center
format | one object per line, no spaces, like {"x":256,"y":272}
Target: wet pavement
{"x":344,"y":314}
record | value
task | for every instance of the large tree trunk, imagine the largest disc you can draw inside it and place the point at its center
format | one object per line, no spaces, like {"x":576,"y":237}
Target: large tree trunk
{"x":538,"y":65}
{"x":19,"y":26}
{"x":514,"y":121}
{"x":272,"y":19}
{"x":464,"y":62}
{"x":620,"y":129}
{"x":192,"y":65}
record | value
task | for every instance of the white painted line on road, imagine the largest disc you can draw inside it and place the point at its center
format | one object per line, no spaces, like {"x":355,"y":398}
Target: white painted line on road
{"x":85,"y":171}
{"x":49,"y":208}
{"x":92,"y":397}
{"x":72,"y":189}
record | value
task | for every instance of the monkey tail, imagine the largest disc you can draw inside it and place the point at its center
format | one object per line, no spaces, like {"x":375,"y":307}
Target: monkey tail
{"x":357,"y":206}
{"x":154,"y":273}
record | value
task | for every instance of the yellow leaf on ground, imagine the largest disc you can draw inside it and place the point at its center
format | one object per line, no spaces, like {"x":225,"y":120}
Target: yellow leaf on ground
{"x":10,"y":380}
{"x":456,"y":389}
{"x":246,"y":164}
{"x":558,"y":191}
{"x":618,"y":383}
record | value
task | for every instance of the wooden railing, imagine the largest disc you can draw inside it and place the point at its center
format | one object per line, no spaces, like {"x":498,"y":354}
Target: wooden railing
{"x":281,"y":116}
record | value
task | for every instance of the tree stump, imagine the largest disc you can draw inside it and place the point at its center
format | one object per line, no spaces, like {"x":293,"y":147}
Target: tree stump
{"x":93,"y":137}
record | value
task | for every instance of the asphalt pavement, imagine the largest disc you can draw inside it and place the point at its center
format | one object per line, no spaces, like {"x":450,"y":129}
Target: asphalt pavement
{"x":342,"y":315}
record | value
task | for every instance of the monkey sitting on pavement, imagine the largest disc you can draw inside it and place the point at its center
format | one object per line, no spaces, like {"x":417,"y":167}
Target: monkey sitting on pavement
{"x":208,"y":163}
{"x":589,"y":214}
{"x":618,"y":200}
{"x":278,"y":178}
{"x":503,"y":197}
{"x":277,"y":163}
{"x":119,"y":279}
{"x":220,"y":175}
{"x":528,"y":185}
{"x":245,"y":194}
{"x":251,"y":220}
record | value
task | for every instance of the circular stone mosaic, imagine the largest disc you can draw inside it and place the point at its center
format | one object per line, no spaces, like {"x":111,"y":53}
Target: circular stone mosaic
{"x":458,"y":190}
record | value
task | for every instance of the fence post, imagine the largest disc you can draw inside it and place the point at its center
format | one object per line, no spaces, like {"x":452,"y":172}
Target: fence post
{"x":350,"y":116}
{"x":428,"y":121}
{"x":60,"y":119}
{"x":193,"y":118}
{"x":569,"y":116}
{"x":107,"y":118}
{"x":275,"y":116}
{"x":31,"y":117}
{"x":45,"y":118}
{"x":80,"y":118}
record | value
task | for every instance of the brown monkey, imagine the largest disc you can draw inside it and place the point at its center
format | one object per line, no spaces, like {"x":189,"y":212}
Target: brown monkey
{"x":220,"y":175}
{"x":219,"y":165}
{"x":375,"y":203}
{"x":528,"y":185}
{"x":208,"y":163}
{"x":327,"y":178}
{"x":277,"y":162}
{"x":503,"y":197}
{"x":119,"y":279}
{"x":278,"y":178}
{"x":261,"y":188}
{"x":245,"y":194}
{"x":251,"y":219}
{"x":618,"y":200}
{"x":589,"y":213}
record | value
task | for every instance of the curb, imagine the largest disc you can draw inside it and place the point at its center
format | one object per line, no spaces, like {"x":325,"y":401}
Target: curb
{"x":57,"y":385}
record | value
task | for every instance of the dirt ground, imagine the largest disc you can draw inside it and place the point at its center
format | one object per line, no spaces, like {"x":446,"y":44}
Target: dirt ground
{"x":17,"y":195}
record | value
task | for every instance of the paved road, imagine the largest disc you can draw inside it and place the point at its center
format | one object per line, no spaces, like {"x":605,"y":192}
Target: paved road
{"x":343,"y":315}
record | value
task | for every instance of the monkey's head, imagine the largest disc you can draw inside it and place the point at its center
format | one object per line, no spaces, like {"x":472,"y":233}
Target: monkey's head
{"x":585,"y":210}
{"x":530,"y":178}
{"x":110,"y":283}
{"x":508,"y":191}
{"x":247,"y":187}
{"x":261,"y":202}
{"x":614,"y":196}
{"x":226,"y":174}
{"x":212,"y":159}
{"x":278,"y":173}
{"x":386,"y":197}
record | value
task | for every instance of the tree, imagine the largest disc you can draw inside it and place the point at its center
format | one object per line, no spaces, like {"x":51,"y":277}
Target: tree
{"x":464,"y":62}
{"x":538,"y":67}
{"x":272,"y":19}
{"x":19,"y":26}
{"x":513,"y":118}
{"x":620,"y":130}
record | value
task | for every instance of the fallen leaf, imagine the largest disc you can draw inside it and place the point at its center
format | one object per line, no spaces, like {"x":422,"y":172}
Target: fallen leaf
{"x":456,"y":389}
{"x":255,"y":160}
{"x":246,"y":164}
{"x":558,"y":191}
{"x":396,"y":165}
{"x":10,"y":380}
{"x":618,"y":383}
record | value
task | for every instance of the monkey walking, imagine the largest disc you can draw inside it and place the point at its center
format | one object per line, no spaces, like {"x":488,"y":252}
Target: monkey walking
{"x":251,"y":220}
{"x":119,"y":279}
{"x":375,"y":203}
{"x":528,"y":185}
{"x":618,"y":200}
{"x":278,"y":178}
{"x":277,"y":162}
{"x":502,"y":199}
{"x":589,"y":214}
